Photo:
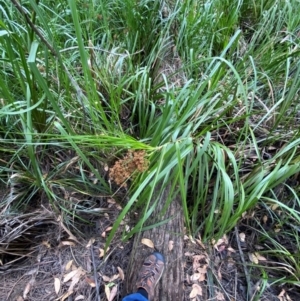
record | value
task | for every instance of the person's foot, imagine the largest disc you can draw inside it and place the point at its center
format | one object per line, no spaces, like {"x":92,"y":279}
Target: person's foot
{"x":150,"y":273}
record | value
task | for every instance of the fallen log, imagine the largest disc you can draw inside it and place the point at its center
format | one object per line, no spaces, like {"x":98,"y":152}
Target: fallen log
{"x":167,"y":239}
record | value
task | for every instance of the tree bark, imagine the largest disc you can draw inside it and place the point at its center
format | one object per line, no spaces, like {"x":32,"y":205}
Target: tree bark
{"x":168,"y":239}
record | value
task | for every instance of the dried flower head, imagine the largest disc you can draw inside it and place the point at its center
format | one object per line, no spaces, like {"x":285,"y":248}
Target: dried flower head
{"x":132,"y":163}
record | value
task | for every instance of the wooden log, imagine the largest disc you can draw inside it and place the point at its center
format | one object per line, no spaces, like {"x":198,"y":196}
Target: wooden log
{"x":168,"y":239}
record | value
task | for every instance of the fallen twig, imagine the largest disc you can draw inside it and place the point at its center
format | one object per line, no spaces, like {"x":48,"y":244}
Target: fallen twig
{"x":249,"y":287}
{"x":95,"y":273}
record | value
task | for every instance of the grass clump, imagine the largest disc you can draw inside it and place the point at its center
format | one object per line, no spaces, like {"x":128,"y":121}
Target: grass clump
{"x":79,"y":87}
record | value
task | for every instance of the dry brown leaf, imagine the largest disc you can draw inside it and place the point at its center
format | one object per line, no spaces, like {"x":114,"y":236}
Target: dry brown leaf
{"x":197,"y":290}
{"x":260,"y":257}
{"x":220,"y":296}
{"x":202,"y":277}
{"x":230,"y":249}
{"x":70,"y":275}
{"x":196,"y":261}
{"x":121,"y":273}
{"x":68,"y":265}
{"x":101,"y":252}
{"x":195,"y":277}
{"x":105,"y":278}
{"x":91,"y":241}
{"x":119,"y":207}
{"x":223,"y":240}
{"x":192,"y":240}
{"x":67,"y":243}
{"x":103,"y":234}
{"x":221,"y":248}
{"x":76,"y":278}
{"x":56,"y":285}
{"x":107,"y":291}
{"x":253,"y":258}
{"x":147,"y":242}
{"x":188,"y":280}
{"x":185,"y":237}
{"x":27,"y":288}
{"x":288,"y":298}
{"x":199,"y":241}
{"x":282,"y":293}
{"x":114,"y":277}
{"x":90,"y":281}
{"x":242,"y":236}
{"x":20,"y":298}
{"x":214,"y":244}
{"x":193,"y":293}
{"x":274,"y":207}
{"x":219,"y":273}
{"x":171,"y":245}
{"x":110,"y":279}
{"x":80,"y":297}
{"x":46,"y":244}
{"x":113,"y":293}
{"x":108,"y":229}
{"x":64,"y":296}
{"x":265,"y":219}
{"x":283,"y":296}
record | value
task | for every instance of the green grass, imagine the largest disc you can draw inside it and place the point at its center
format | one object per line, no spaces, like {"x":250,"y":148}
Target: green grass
{"x":78,"y":88}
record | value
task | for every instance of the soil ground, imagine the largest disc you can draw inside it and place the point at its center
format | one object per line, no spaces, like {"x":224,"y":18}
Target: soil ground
{"x":55,"y":263}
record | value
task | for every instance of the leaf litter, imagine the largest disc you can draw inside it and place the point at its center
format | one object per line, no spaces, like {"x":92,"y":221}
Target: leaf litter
{"x":64,"y":269}
{"x":59,"y":262}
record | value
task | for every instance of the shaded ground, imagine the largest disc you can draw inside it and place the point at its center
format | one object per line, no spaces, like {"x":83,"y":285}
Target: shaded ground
{"x":42,"y":260}
{"x":52,"y":263}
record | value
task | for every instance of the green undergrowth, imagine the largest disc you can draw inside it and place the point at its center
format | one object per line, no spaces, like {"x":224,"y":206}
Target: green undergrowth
{"x":79,"y":88}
